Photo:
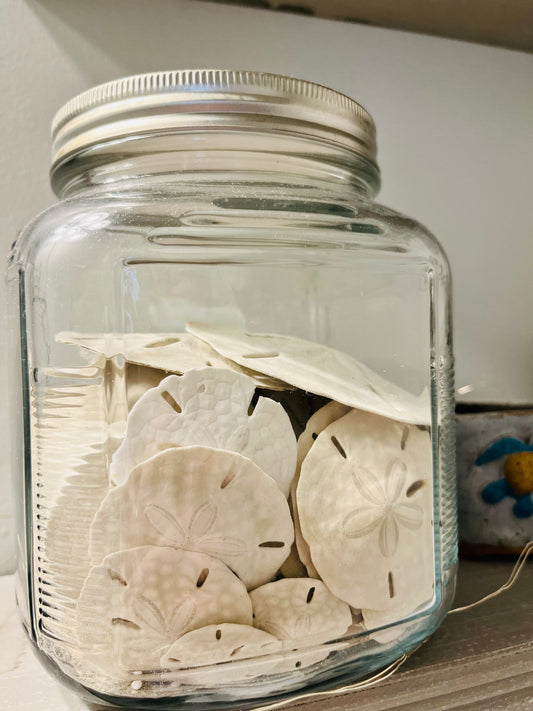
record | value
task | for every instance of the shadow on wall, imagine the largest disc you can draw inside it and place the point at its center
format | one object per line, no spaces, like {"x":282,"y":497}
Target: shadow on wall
{"x":135,"y":36}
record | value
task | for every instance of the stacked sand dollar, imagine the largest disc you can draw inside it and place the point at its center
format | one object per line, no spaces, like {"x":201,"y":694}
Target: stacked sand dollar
{"x":203,"y":500}
{"x":209,"y":406}
{"x":137,"y":602}
{"x":197,"y":558}
{"x":363,"y":509}
{"x":199,"y":483}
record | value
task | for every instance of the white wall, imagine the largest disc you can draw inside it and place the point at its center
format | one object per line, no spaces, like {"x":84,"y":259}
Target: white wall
{"x":455,"y":130}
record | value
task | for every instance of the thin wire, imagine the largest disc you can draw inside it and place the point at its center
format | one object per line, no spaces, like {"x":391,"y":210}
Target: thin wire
{"x":522,"y":558}
{"x":357,"y":686}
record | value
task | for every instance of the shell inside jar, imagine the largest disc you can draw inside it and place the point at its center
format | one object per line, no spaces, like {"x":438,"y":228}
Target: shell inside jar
{"x":195,"y":556}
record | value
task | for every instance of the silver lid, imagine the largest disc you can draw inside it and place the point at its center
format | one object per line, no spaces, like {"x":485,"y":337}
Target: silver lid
{"x":188,"y":100}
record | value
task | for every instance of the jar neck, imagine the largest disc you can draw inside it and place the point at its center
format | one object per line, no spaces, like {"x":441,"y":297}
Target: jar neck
{"x":230,"y":157}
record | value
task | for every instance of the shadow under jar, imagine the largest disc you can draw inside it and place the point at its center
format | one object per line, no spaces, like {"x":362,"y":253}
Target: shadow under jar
{"x":233,"y":373}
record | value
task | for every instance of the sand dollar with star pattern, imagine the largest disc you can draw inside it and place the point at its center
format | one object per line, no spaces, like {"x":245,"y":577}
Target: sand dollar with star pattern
{"x":300,"y":611}
{"x":365,"y":502}
{"x":201,"y":499}
{"x":138,"y":602}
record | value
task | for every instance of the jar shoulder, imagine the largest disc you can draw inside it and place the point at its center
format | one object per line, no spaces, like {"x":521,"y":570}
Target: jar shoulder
{"x":325,"y":220}
{"x":408,"y":232}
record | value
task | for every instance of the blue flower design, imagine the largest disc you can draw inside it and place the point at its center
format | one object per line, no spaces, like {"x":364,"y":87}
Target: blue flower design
{"x":498,"y":490}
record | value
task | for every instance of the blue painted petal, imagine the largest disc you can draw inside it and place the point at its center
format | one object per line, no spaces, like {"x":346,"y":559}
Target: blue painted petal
{"x":494,"y":492}
{"x":506,"y":445}
{"x":523,"y":507}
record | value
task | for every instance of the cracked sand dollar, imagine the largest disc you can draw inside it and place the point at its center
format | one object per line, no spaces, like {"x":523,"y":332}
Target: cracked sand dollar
{"x":316,"y":423}
{"x":211,"y":407}
{"x":200,"y":499}
{"x":317,"y":369}
{"x":300,"y":611}
{"x":365,"y":502}
{"x":137,"y":602}
{"x":170,"y":352}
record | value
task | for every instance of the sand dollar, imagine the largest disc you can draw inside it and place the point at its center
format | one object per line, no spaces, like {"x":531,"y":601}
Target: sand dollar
{"x":200,"y":499}
{"x":316,"y":423}
{"x":137,"y":602}
{"x":219,"y":643}
{"x":300,"y":610}
{"x":365,"y":502}
{"x":211,"y":407}
{"x":222,"y":654}
{"x":317,"y":369}
{"x":171,"y":352}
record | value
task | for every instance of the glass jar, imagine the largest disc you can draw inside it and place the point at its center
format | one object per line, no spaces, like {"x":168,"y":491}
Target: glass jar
{"x":234,"y":380}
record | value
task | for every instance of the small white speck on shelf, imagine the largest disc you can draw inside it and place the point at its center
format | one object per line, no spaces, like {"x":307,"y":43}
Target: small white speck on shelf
{"x":136,"y":685}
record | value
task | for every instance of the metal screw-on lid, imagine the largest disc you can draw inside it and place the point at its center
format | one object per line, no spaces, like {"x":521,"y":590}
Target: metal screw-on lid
{"x":188,"y":100}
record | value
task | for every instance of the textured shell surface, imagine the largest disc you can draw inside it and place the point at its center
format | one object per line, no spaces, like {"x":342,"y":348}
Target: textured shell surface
{"x":137,"y":602}
{"x":201,"y":499}
{"x":365,"y":501}
{"x":318,"y":369}
{"x":300,"y":611}
{"x":211,"y":407}
{"x":316,"y":423}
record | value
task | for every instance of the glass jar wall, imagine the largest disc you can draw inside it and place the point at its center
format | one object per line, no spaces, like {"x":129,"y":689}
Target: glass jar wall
{"x":236,"y":433}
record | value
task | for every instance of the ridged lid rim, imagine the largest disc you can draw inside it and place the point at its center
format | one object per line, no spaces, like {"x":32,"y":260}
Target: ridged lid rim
{"x":122,"y":106}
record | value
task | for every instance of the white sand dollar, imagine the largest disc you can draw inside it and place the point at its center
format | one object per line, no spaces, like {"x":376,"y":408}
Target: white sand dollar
{"x":198,"y":657}
{"x":222,"y":654}
{"x":300,"y":610}
{"x":135,"y":604}
{"x":219,"y":643}
{"x":201,"y":499}
{"x":209,"y":406}
{"x":316,"y":423}
{"x":317,"y":369}
{"x":171,"y":352}
{"x":365,"y":502}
